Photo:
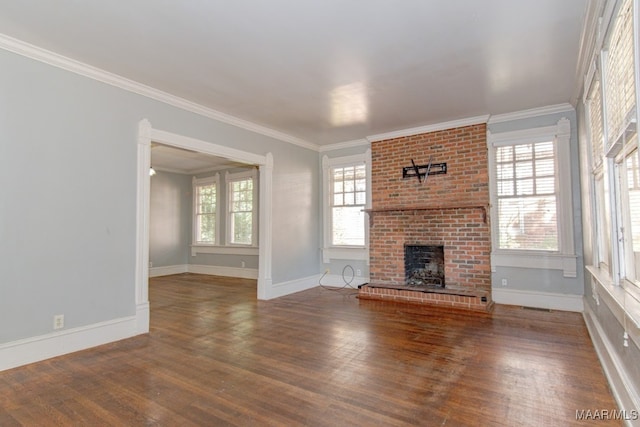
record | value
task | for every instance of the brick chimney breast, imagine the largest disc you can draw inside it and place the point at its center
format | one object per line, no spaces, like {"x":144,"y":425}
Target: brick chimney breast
{"x":450,"y":210}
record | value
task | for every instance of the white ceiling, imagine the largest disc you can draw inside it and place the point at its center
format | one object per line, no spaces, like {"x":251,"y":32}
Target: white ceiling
{"x":324,"y":71}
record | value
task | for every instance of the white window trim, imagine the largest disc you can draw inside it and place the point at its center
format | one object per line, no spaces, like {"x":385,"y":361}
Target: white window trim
{"x":215,"y":179}
{"x":229,"y":179}
{"x":330,"y":251}
{"x":565,"y":258}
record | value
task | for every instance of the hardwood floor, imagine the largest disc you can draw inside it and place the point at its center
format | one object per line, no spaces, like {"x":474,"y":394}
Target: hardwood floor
{"x":216,"y":356}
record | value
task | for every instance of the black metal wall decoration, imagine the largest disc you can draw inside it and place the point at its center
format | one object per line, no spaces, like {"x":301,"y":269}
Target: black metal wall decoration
{"x":423,"y":171}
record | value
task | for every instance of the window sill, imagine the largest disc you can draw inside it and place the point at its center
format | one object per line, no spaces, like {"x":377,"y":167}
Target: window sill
{"x":530,"y":259}
{"x":223,"y":250}
{"x":620,"y":301}
{"x":357,"y":254}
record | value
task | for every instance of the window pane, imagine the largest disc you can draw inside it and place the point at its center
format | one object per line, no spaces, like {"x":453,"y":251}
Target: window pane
{"x":348,"y":226}
{"x":603,"y":220}
{"x":505,"y":171}
{"x":545,"y":167}
{"x":207,"y":228}
{"x":528,"y":223}
{"x":524,"y":187}
{"x":505,"y":188}
{"x":349,"y":186}
{"x":545,"y":185}
{"x":361,"y":198}
{"x":338,"y":199}
{"x":544,"y":149}
{"x":504,"y":154}
{"x":241,"y":211}
{"x":524,"y":170}
{"x":242,"y":227}
{"x":595,"y":124}
{"x":524,"y":152}
{"x":349,"y":198}
{"x":205,"y":213}
{"x":632,"y":213}
{"x":349,"y":173}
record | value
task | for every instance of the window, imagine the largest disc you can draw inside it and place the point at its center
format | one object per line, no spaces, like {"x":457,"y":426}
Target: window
{"x":619,"y":88}
{"x":205,"y":210}
{"x":611,"y":115}
{"x":349,"y":196}
{"x":527,"y":197}
{"x":531,"y":202}
{"x":346,"y":195}
{"x":241,"y":218}
{"x":616,"y":177}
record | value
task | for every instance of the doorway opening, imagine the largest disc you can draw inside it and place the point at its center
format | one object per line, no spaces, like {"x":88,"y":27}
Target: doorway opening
{"x":147,"y":136}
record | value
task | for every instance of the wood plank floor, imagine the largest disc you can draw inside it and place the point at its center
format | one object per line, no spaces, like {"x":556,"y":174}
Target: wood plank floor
{"x":216,"y":356}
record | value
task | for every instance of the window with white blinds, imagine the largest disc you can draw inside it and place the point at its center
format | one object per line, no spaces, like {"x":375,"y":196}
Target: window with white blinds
{"x":619,"y":88}
{"x":616,"y":174}
{"x":527,"y":194}
{"x":349,"y":197}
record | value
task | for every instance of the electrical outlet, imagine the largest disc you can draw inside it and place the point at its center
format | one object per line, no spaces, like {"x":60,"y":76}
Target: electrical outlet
{"x":242,"y":264}
{"x":504,"y":282}
{"x":150,"y":264}
{"x":58,"y":321}
{"x":358,"y":272}
{"x":327,"y":271}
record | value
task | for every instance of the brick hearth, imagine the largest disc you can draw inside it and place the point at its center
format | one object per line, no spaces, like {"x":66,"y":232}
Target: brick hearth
{"x":449,"y":209}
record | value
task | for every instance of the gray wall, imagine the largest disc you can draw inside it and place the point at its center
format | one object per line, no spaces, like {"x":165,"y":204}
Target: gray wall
{"x":68,"y":159}
{"x":540,"y":280}
{"x":170,"y":219}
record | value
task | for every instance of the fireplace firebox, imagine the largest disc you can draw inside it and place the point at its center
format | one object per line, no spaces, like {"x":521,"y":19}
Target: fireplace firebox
{"x":424,"y":266}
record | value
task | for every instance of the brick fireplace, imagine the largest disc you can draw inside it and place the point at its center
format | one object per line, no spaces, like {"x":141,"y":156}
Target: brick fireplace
{"x":448,"y":210}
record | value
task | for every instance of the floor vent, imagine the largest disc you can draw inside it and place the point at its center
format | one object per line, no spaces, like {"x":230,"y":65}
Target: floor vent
{"x":537,"y":309}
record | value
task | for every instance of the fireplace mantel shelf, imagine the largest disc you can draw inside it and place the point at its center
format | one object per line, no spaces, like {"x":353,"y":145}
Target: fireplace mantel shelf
{"x":424,"y":208}
{"x":414,"y":209}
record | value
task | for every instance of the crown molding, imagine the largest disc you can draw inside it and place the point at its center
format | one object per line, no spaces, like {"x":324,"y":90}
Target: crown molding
{"x":429,"y":128}
{"x":588,"y":42}
{"x":345,"y":144}
{"x":533,"y":112}
{"x":56,"y":60}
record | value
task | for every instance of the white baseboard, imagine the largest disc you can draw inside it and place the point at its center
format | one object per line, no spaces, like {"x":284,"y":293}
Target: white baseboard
{"x":143,"y":315}
{"x":624,"y":390}
{"x":292,"y":286}
{"x":215,"y":270}
{"x":35,"y":349}
{"x":537,"y":299}
{"x":168,"y":270}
